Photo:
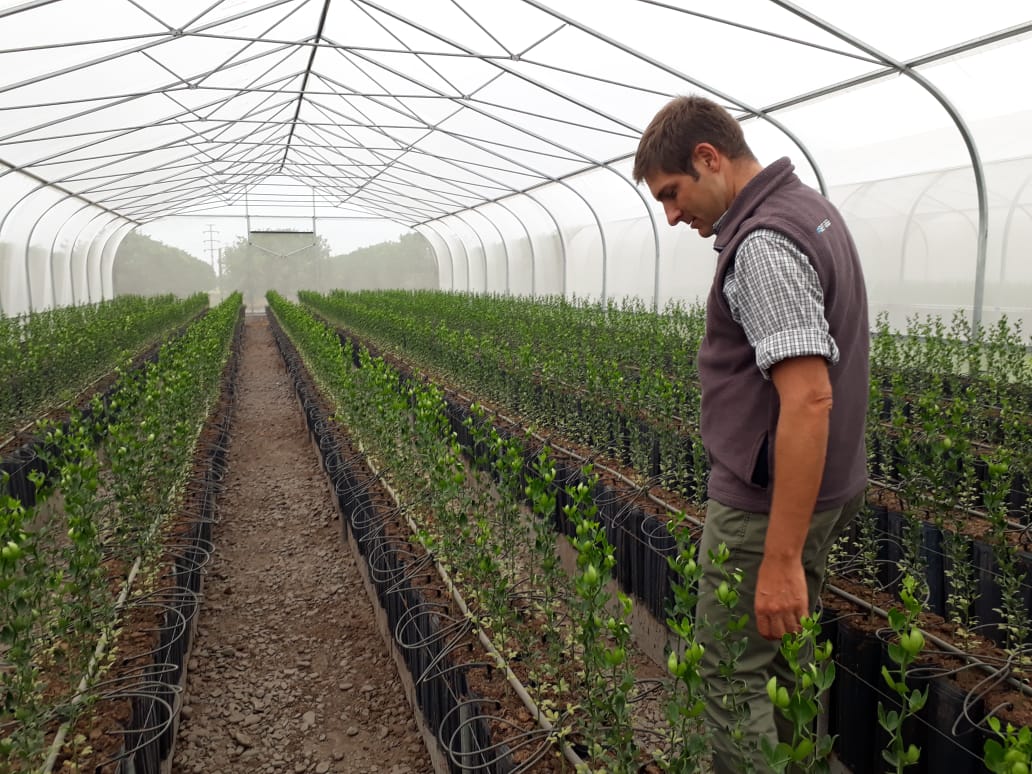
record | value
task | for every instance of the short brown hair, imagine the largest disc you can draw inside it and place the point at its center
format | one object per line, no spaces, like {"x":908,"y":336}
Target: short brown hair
{"x":669,"y":140}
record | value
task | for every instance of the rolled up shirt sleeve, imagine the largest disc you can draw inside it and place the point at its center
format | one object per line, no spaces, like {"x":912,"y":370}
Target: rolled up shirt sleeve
{"x":775,"y":295}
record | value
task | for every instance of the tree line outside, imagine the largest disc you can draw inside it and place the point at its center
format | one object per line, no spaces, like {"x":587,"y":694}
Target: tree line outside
{"x":284,"y":261}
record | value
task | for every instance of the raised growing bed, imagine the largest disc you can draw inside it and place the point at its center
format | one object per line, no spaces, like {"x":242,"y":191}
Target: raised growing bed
{"x":949,"y":674}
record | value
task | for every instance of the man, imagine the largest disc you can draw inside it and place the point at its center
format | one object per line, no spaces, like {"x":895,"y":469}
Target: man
{"x":786,"y":333}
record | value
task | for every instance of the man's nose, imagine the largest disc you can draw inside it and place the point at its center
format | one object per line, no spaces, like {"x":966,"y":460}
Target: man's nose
{"x":673,"y":214}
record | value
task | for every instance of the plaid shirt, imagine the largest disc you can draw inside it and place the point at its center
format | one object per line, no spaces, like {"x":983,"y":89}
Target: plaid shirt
{"x":775,"y":295}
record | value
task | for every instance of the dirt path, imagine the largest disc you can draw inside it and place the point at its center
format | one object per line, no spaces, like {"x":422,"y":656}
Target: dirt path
{"x":288,"y":671}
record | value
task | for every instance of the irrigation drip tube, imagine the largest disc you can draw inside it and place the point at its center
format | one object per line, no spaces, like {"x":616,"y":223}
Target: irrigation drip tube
{"x":154,"y":685}
{"x":659,"y":538}
{"x":424,"y":633}
{"x":1018,"y":685}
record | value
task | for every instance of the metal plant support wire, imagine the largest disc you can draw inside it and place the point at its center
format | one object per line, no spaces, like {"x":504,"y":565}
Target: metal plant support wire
{"x":308,"y":131}
{"x":424,"y":633}
{"x":998,"y":673}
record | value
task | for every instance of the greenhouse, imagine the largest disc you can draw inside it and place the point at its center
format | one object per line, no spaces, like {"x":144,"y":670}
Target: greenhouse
{"x":361,"y":411}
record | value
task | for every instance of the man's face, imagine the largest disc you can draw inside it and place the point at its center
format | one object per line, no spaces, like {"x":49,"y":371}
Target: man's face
{"x":697,"y":203}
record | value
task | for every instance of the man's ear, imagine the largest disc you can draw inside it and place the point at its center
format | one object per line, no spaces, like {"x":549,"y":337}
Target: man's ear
{"x":706,"y":157}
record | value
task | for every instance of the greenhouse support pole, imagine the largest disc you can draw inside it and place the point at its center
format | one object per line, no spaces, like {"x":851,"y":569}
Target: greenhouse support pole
{"x":53,"y":248}
{"x":530,"y":243}
{"x":965,"y":133}
{"x":1008,"y":222}
{"x":910,"y":219}
{"x":93,"y":259}
{"x":483,"y":247}
{"x":655,"y":235}
{"x":601,"y":234}
{"x":85,"y":260}
{"x":505,"y":250}
{"x":562,"y":244}
{"x":605,"y":254}
{"x":108,"y":255}
{"x":3,"y":222}
{"x":50,"y":263}
{"x":436,"y":257}
{"x":53,"y":243}
{"x":451,"y":255}
{"x":465,"y":252}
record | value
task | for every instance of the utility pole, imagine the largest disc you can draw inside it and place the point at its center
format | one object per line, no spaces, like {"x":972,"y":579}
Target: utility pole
{"x":214,"y":251}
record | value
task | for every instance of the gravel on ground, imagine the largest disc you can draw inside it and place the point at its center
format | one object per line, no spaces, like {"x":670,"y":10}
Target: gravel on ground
{"x":288,"y":672}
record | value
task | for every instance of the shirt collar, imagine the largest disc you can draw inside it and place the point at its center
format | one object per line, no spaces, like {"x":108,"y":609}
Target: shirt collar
{"x":719,"y":222}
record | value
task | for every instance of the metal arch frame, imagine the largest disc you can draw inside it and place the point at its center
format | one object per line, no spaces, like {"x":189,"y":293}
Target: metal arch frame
{"x":758,"y":112}
{"x":465,"y":103}
{"x":465,"y":251}
{"x":516,"y":192}
{"x":408,"y":146}
{"x":108,"y":254}
{"x":530,"y":243}
{"x":19,"y":202}
{"x":562,"y":240}
{"x":483,"y":245}
{"x":297,"y":43}
{"x":910,"y":217}
{"x":94,"y":256}
{"x":502,"y":241}
{"x":26,"y":268}
{"x":50,"y":262}
{"x":1008,"y":222}
{"x":483,"y":251}
{"x":895,"y":67}
{"x":982,"y":237}
{"x":437,"y":259}
{"x":596,"y":163}
{"x":68,"y":265}
{"x":655,"y":236}
{"x":43,"y":184}
{"x":156,"y":91}
{"x":85,"y":259}
{"x":451,"y":255}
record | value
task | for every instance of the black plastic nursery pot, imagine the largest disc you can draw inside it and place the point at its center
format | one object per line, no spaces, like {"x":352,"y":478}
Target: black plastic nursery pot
{"x":446,"y":703}
{"x":151,"y":681}
{"x":947,"y":730}
{"x":17,"y":468}
{"x":855,"y":701}
{"x":988,"y":605}
{"x":935,"y":567}
{"x":949,"y":739}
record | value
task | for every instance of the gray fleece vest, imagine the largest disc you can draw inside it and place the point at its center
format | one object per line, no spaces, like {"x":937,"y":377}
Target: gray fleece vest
{"x":739,"y":407}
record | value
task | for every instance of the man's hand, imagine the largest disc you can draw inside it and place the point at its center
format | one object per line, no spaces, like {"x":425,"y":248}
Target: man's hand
{"x":781,"y":598}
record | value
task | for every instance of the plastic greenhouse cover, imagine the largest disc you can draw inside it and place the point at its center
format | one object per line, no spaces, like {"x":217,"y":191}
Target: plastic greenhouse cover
{"x":420,"y":112}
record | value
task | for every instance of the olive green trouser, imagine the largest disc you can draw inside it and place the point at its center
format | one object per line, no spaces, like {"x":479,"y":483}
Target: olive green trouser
{"x":744,"y":534}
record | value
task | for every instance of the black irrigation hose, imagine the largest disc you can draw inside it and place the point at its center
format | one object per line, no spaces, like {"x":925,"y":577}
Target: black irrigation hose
{"x":152,"y":685}
{"x":147,"y":731}
{"x":942,"y":644}
{"x":1013,"y":527}
{"x":497,"y":756}
{"x":879,"y":690}
{"x":457,"y":630}
{"x":439,"y":685}
{"x":658,"y":534}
